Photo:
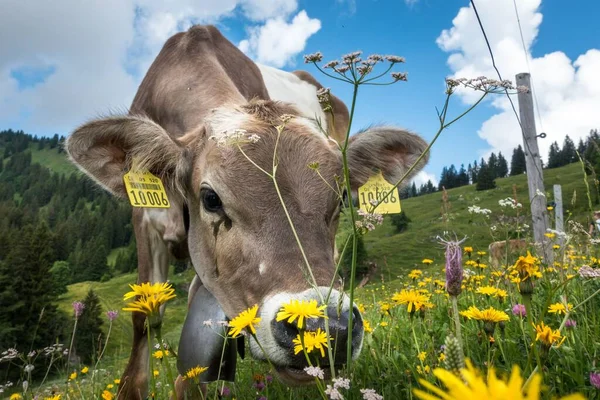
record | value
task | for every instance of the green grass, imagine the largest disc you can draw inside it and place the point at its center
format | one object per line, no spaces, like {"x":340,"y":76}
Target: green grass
{"x":52,"y":159}
{"x":112,"y":256}
{"x":402,"y":252}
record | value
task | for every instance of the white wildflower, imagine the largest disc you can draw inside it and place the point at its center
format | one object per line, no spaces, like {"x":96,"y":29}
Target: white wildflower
{"x":315,"y":371}
{"x":479,"y":210}
{"x":333,"y":393}
{"x":370,"y":394}
{"x":341,"y":383}
{"x":208,"y":323}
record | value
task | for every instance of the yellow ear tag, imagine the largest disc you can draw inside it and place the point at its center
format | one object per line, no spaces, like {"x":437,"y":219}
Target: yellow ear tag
{"x":145,"y":190}
{"x":372,"y":193}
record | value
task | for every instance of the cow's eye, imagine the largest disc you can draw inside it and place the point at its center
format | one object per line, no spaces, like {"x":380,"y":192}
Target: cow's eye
{"x":211,"y":200}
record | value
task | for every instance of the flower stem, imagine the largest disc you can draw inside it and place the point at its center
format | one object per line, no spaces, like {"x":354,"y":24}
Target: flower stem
{"x":456,"y":317}
{"x":529,"y":310}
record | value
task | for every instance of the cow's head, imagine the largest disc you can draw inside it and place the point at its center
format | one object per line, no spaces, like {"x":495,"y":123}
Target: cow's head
{"x":240,"y":239}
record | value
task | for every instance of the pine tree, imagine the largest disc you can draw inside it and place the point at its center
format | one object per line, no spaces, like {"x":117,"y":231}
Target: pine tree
{"x":463,"y":176}
{"x":493,"y":164}
{"x":502,"y":166}
{"x":554,"y":156}
{"x":400,"y":221}
{"x":581,"y":147}
{"x":413,"y":190}
{"x":517,"y":162}
{"x":88,"y":339}
{"x":568,"y":153}
{"x":485,"y":180}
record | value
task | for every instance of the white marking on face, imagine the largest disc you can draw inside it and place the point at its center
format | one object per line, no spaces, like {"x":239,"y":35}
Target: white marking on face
{"x":261,"y":268}
{"x":287,"y":87}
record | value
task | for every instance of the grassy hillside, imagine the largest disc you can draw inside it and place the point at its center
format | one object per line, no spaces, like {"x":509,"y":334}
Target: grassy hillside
{"x":395,"y":254}
{"x":52,"y":159}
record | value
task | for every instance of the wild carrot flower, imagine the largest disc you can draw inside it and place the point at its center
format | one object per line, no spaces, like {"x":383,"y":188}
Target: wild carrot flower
{"x":370,"y":394}
{"x":547,"y":336}
{"x":471,"y":385}
{"x":246,"y":319}
{"x":595,"y":379}
{"x":78,"y":308}
{"x":560,"y":308}
{"x":310,"y":341}
{"x":315,"y":372}
{"x":333,"y":393}
{"x":194,"y":372}
{"x":413,"y":299}
{"x":300,"y":310}
{"x":519,"y":310}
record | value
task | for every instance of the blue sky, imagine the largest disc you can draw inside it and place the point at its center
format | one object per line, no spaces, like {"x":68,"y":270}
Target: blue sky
{"x":74,"y":60}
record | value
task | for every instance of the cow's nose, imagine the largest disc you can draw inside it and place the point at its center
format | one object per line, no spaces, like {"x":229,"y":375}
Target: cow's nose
{"x":285,"y":332}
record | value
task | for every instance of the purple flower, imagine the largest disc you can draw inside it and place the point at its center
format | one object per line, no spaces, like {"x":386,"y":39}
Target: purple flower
{"x":78,"y":308}
{"x":519,"y":310}
{"x":259,"y":386}
{"x":262,"y":398}
{"x":268,"y":378}
{"x":595,"y":379}
{"x":570,"y":323}
{"x":112,"y":315}
{"x":454,"y":269}
{"x":225,"y":392}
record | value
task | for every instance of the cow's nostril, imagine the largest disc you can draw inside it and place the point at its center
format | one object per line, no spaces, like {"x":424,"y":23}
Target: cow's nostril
{"x":284,"y":333}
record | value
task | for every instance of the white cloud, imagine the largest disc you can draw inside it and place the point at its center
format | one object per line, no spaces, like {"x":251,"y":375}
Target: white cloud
{"x":277,"y":42}
{"x":101,"y":50}
{"x":422,"y":177}
{"x":567,"y":91}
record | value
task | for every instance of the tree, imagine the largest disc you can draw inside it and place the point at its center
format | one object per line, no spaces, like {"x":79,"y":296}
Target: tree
{"x":485,"y":179}
{"x":568,"y":153}
{"x":517,"y":162}
{"x":61,"y":276}
{"x":502,"y":170}
{"x":89,"y":329}
{"x":493,"y":164}
{"x":400,"y":221}
{"x":554,"y":155}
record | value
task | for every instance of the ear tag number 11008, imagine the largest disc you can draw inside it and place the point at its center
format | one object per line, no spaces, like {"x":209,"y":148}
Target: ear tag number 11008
{"x":373,"y":191}
{"x":145,"y":190}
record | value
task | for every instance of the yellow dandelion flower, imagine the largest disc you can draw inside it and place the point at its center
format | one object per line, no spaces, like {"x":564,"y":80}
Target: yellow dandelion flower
{"x":361,"y":308}
{"x":549,"y":208}
{"x":470,"y":263}
{"x":547,"y":336}
{"x":312,"y":341}
{"x":159,"y":354}
{"x":422,"y":356}
{"x":246,"y":319}
{"x":195,"y":372}
{"x":415,"y":274}
{"x":110,"y":386}
{"x":481,"y":253}
{"x":501,"y":294}
{"x":526,"y":266}
{"x":556,"y":246}
{"x":468,"y":249}
{"x":487,"y":290}
{"x":489,"y":315}
{"x":367,"y":326}
{"x":15,"y":396}
{"x":149,"y":297}
{"x":414,"y":300}
{"x":560,"y":308}
{"x":85,"y":370}
{"x":106,"y":395}
{"x":441,"y":357}
{"x":471,"y":385}
{"x":156,"y":373}
{"x":384,"y":308}
{"x":383,"y":324}
{"x":427,"y":261}
{"x":423,"y":371}
{"x":117,"y":381}
{"x":300,"y":310}
{"x":549,"y":235}
{"x":73,"y":376}
{"x":55,"y":397}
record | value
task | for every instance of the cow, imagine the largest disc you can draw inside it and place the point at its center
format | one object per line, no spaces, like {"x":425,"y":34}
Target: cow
{"x":504,"y":251}
{"x":226,"y":214}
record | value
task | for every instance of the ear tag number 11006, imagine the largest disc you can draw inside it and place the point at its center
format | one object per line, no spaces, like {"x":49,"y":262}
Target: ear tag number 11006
{"x":145,"y":190}
{"x":373,"y":191}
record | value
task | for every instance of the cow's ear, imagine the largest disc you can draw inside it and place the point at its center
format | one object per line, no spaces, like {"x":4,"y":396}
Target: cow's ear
{"x":106,"y":148}
{"x":387,"y":149}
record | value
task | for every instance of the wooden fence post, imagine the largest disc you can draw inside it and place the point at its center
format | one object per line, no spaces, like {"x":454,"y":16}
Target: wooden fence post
{"x":535,"y":176}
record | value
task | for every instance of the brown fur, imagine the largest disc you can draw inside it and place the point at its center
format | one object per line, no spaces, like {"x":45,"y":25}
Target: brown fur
{"x":197,"y":74}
